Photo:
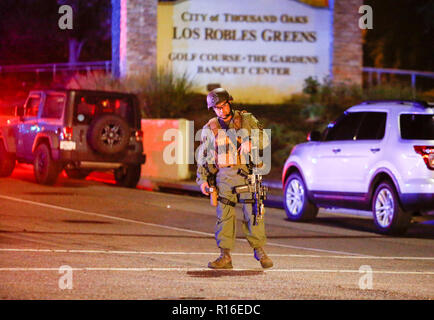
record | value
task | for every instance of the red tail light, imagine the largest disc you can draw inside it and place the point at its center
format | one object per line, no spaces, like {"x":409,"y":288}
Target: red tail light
{"x":427,"y":154}
{"x":67,"y":133}
{"x":139,"y":135}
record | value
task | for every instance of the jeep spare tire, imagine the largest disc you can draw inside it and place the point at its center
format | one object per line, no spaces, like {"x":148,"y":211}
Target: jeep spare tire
{"x":108,"y":134}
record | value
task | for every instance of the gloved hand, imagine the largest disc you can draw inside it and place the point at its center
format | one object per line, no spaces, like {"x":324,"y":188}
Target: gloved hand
{"x":245,"y":147}
{"x":204,"y":187}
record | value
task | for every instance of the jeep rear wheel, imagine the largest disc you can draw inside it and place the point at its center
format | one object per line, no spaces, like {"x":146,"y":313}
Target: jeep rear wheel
{"x":389,"y":218}
{"x":109,"y":134}
{"x":46,"y":169}
{"x":7,"y":161}
{"x":296,"y":203}
{"x":77,"y":173}
{"x":128,"y":176}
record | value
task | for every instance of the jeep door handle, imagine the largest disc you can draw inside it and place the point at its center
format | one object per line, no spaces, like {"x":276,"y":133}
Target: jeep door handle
{"x":375,"y":150}
{"x":336,"y":150}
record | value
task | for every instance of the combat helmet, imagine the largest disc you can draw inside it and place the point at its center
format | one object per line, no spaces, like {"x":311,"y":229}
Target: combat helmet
{"x":217,"y":96}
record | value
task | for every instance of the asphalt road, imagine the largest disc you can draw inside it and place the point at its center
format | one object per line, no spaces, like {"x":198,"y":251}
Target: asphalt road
{"x":92,"y":240}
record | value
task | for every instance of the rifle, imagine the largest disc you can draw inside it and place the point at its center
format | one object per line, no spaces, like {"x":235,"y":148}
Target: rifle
{"x":254,"y":186}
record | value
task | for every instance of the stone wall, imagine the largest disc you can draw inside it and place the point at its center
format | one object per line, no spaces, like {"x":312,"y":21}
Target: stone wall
{"x":134,"y":36}
{"x":347,"y":53}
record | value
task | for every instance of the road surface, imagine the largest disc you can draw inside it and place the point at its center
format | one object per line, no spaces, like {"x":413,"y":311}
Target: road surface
{"x":93,"y":240}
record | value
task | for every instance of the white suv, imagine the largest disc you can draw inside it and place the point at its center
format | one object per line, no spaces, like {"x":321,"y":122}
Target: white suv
{"x":377,"y":156}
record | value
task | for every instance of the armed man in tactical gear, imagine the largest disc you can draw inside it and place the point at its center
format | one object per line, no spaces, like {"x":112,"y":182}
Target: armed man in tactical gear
{"x":224,"y":167}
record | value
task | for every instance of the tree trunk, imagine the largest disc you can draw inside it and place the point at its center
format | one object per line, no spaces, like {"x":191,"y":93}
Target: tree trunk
{"x":75,"y":47}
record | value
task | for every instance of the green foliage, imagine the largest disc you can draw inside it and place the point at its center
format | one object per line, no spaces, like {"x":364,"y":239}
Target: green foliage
{"x":311,"y":86}
{"x":323,"y":102}
{"x":392,"y":91}
{"x":167,"y":95}
{"x":283,"y":138}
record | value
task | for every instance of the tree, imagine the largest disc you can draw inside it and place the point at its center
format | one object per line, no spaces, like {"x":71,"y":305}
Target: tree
{"x":30,"y":33}
{"x":402,"y":35}
{"x":92,"y":20}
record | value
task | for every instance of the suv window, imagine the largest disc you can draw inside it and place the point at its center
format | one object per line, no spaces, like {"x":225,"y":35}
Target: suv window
{"x":345,"y":127}
{"x":373,"y":126}
{"x":53,"y":107}
{"x":88,"y":107}
{"x":32,"y":106}
{"x":417,"y":126}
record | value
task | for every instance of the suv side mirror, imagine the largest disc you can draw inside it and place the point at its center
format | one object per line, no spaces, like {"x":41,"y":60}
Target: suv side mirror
{"x":314,"y":136}
{"x":19,"y":111}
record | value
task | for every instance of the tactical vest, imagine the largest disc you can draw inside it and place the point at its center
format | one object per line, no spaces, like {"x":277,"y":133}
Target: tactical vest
{"x":226,"y":149}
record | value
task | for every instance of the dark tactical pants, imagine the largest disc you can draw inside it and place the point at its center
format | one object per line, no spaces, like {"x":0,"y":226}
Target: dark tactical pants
{"x":225,"y":229}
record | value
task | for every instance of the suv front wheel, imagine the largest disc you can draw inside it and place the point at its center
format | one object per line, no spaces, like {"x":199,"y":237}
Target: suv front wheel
{"x":46,"y":169}
{"x":297,"y":205}
{"x":389,"y":218}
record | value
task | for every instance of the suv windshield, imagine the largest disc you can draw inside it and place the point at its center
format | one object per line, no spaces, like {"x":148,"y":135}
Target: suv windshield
{"x":417,"y":126}
{"x":89,"y":107}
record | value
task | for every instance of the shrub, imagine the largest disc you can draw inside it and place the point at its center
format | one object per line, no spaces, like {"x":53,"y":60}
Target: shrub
{"x":166,"y":94}
{"x":96,"y":80}
{"x":283,"y":139}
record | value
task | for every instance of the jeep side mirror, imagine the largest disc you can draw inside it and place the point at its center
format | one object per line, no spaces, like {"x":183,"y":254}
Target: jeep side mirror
{"x":19,"y":111}
{"x":314,"y":136}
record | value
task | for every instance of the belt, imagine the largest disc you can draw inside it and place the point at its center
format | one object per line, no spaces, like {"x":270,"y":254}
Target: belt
{"x":226,"y":201}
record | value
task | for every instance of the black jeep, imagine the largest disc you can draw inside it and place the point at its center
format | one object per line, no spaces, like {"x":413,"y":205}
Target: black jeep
{"x":76,"y":130}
